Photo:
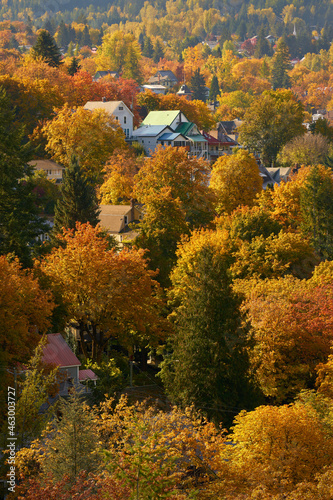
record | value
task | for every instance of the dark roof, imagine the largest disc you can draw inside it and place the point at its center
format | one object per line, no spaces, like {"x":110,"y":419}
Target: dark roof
{"x":167,"y":74}
{"x":184,"y":89}
{"x":57,"y":352}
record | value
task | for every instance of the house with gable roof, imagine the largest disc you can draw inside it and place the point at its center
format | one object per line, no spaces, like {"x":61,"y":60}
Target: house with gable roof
{"x":57,"y":352}
{"x":119,"y":110}
{"x":116,"y":220}
{"x":178,"y":131}
{"x":164,"y":77}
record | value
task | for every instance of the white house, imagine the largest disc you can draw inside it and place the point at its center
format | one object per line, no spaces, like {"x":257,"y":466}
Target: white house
{"x":149,"y":135}
{"x":119,"y":110}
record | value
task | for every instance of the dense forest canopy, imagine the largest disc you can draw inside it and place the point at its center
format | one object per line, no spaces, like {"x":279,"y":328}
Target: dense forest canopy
{"x":242,"y":17}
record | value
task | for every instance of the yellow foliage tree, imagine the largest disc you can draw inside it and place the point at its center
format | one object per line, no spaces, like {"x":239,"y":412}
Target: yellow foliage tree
{"x":91,"y":136}
{"x":235,"y":181}
{"x":275,"y":449}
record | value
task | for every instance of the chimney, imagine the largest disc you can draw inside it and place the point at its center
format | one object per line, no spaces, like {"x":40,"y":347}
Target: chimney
{"x":103,"y":99}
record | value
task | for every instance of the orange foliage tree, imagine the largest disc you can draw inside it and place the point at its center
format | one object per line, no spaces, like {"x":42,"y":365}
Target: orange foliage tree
{"x":24,"y":314}
{"x":291,"y":333}
{"x":112,"y":293}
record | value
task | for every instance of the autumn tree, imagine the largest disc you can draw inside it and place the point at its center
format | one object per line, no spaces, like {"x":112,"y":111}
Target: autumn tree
{"x":290,"y":333}
{"x":120,"y":171}
{"x":270,"y":122}
{"x":93,"y":281}
{"x":91,"y":136}
{"x":25,"y":312}
{"x":277,"y":449}
{"x":77,"y":202}
{"x":122,"y":53}
{"x":38,"y":384}
{"x":235,"y":181}
{"x":46,"y":48}
{"x":32,"y":100}
{"x":304,"y":150}
{"x":173,"y":188}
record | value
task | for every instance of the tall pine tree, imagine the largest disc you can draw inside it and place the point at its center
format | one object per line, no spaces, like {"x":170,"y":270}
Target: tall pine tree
{"x":317,"y":210}
{"x":214,"y":89}
{"x":198,"y":86}
{"x":280,"y":78}
{"x":78,"y":202}
{"x":20,"y":223}
{"x":47,"y":48}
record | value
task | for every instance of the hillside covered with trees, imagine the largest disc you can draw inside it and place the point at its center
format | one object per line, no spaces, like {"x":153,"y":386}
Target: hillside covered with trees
{"x":204,"y":324}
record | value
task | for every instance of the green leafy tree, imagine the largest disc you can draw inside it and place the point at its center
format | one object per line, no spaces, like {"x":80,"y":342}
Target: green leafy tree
{"x":47,"y":48}
{"x":198,"y":86}
{"x":78,"y":201}
{"x":281,"y":65}
{"x":271,"y":121}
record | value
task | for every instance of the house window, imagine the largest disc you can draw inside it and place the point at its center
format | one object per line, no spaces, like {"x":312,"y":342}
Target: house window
{"x":121,"y":108}
{"x":125,"y":219}
{"x":116,"y":118}
{"x":124,"y":119}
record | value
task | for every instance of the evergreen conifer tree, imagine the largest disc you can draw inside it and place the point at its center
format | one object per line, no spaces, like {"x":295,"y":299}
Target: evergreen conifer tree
{"x":281,"y":65}
{"x":62,"y":35}
{"x":71,"y":444}
{"x":78,"y":202}
{"x":317,"y":211}
{"x":86,"y":40}
{"x":70,"y":51}
{"x":158,"y":51}
{"x":263,"y":47}
{"x":148,"y":49}
{"x":198,"y":86}
{"x":206,"y":367}
{"x":47,"y":48}
{"x":100,"y":37}
{"x":19,"y":221}
{"x":74,"y":66}
{"x":214,"y":89}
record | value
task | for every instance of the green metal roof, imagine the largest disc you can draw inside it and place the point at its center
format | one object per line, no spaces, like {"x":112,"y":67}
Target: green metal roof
{"x":197,"y":138}
{"x":184,"y":127}
{"x":161,"y":117}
